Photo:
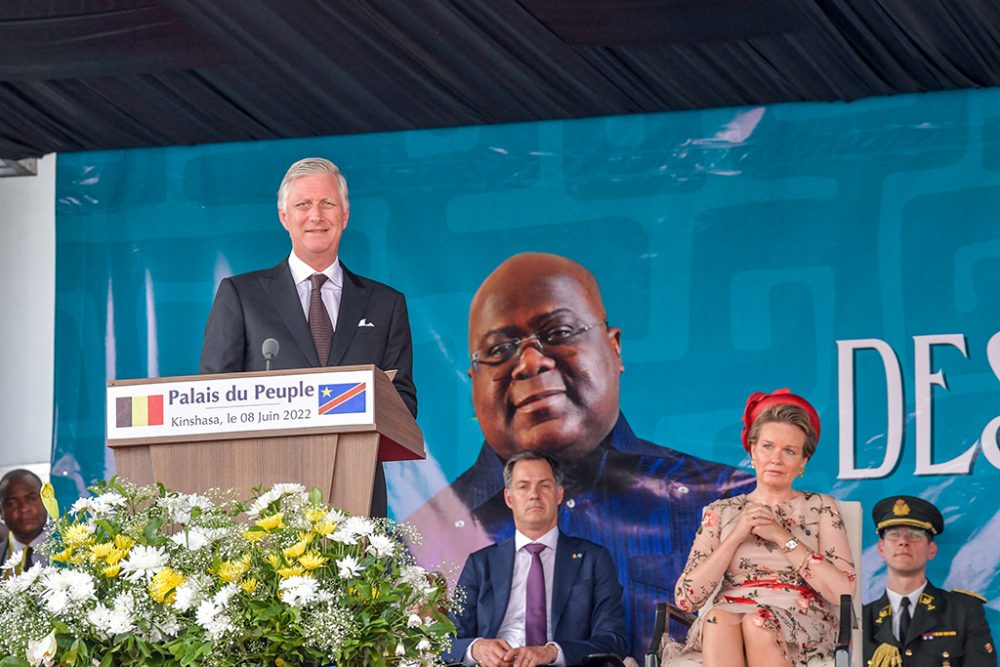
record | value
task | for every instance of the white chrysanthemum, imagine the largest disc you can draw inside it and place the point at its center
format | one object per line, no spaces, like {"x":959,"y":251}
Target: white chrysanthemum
{"x":197,"y":537}
{"x":381,"y":546}
{"x":226,"y":594}
{"x":143,"y":562}
{"x":107,"y":503}
{"x":13,"y":561}
{"x":348,"y":566}
{"x":210,"y":617}
{"x":24,"y":581}
{"x":191,"y":593}
{"x":297,"y":591}
{"x":119,"y":619}
{"x":43,"y":651}
{"x":168,"y":628}
{"x":343,"y":536}
{"x":412,"y":574}
{"x":179,"y":507}
{"x":66,"y":588}
{"x":82,"y":505}
{"x":360,"y":525}
{"x":274,"y":493}
{"x":334,"y":516}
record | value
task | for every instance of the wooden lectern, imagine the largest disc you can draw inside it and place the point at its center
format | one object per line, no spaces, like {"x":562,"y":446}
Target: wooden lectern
{"x":165,"y":430}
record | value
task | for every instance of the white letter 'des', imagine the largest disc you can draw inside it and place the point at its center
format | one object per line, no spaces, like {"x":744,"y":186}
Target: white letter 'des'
{"x":923,"y":381}
{"x":894,"y":405}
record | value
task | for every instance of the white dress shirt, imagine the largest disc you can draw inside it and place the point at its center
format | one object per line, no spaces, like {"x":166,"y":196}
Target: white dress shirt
{"x":331,"y":289}
{"x":896,"y":599}
{"x":512,"y":628}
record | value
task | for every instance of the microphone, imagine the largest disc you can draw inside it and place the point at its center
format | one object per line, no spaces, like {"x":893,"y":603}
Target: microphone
{"x":270,"y":350}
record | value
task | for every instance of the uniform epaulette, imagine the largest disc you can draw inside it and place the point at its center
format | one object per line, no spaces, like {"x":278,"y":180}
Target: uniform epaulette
{"x":971,"y":594}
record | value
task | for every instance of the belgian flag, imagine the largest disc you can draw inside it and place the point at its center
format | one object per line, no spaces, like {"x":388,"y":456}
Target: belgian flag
{"x":139,"y":411}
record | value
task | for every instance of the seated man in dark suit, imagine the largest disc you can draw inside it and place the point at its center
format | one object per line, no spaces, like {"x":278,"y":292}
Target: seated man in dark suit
{"x":319,"y":312}
{"x":24,"y":515}
{"x":545,"y":376}
{"x":914,"y":623}
{"x":541,"y":597}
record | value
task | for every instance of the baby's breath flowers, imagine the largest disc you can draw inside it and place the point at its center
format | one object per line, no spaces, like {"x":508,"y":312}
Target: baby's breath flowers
{"x":143,"y":575}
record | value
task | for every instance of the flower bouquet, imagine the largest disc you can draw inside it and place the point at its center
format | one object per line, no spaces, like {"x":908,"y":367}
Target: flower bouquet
{"x":146,"y":576}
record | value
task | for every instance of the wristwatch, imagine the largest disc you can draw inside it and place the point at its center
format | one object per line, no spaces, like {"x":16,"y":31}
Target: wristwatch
{"x":790,"y":545}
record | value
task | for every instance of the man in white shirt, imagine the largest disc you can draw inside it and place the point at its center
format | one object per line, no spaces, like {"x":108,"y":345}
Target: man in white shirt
{"x":541,"y":597}
{"x":24,"y":515}
{"x":351,"y":320}
{"x":914,"y":623}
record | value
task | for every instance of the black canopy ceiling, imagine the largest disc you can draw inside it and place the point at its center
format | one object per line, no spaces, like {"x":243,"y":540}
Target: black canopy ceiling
{"x":96,"y":74}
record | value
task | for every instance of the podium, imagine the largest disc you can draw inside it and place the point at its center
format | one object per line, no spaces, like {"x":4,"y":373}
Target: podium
{"x":321,"y":427}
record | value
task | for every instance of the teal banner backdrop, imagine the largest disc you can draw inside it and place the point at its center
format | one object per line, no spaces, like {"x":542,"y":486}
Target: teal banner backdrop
{"x":850,"y":252}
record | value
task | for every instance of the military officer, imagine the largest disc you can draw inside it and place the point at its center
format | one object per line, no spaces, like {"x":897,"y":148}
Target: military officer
{"x":915,"y":624}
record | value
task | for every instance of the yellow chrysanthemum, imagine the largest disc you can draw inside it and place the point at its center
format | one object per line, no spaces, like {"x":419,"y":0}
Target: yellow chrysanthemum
{"x":116,"y":555}
{"x":315,"y":514}
{"x":78,"y":535}
{"x":63,"y":556}
{"x":324,"y":527}
{"x":124,"y":542}
{"x":279,"y":662}
{"x":249,"y":586}
{"x":273,"y":559}
{"x":296,"y":549}
{"x":101,"y":550}
{"x":296,"y":571}
{"x":273,"y":522}
{"x":254,"y":535}
{"x":163,"y":585}
{"x":111,"y":571}
{"x":232,"y":571}
{"x":312,"y":560}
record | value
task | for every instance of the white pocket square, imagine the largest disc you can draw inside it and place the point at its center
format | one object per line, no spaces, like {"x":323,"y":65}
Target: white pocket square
{"x":365,"y":323}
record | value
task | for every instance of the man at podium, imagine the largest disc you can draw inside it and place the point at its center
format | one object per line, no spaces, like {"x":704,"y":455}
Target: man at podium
{"x":319,"y":312}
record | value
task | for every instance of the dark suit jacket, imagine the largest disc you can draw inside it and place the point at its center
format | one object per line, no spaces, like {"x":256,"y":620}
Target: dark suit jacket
{"x":252,"y":307}
{"x":947,"y":627}
{"x":641,"y":501}
{"x":587,"y":614}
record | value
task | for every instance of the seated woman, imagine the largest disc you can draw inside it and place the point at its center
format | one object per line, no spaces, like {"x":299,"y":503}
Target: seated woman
{"x":782,"y":555}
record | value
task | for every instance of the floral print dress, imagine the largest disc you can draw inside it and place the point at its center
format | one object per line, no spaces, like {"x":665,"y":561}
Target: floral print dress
{"x":761,"y":581}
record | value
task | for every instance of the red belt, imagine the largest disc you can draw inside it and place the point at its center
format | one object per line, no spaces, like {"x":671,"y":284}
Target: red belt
{"x":768,"y":583}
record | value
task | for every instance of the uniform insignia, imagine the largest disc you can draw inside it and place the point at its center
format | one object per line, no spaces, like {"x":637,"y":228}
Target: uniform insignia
{"x":901,"y":508}
{"x":886,"y":655}
{"x":971,"y":594}
{"x":927,"y":600}
{"x":940,"y":633}
{"x":883,"y":613}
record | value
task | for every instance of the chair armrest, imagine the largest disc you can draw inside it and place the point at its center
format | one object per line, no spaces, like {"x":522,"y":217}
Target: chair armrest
{"x":665,"y":611}
{"x":842,"y":647}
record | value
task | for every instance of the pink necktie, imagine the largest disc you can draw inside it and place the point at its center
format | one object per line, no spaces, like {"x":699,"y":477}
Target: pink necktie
{"x":319,"y":319}
{"x":535,"y":623}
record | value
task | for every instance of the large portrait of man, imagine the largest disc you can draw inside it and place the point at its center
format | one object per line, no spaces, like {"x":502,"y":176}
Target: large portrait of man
{"x":545,"y":368}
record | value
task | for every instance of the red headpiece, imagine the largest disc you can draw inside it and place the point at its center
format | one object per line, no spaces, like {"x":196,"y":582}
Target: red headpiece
{"x":758,"y":402}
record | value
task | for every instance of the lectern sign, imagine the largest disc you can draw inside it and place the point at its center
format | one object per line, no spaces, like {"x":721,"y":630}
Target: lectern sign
{"x":227,"y":404}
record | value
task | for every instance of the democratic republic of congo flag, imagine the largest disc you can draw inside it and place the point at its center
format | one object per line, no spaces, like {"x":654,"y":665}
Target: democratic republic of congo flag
{"x":339,"y":399}
{"x":139,"y":411}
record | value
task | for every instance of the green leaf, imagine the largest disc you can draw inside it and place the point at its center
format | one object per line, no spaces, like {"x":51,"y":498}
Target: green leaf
{"x":14,"y":661}
{"x":152,"y":530}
